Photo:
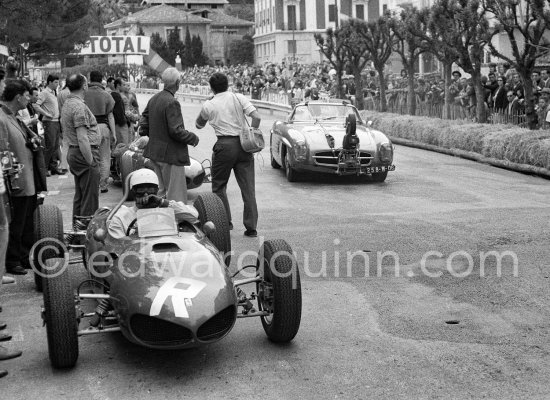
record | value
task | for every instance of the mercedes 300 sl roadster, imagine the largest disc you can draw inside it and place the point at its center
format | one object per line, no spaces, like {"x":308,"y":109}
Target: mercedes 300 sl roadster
{"x":166,"y":285}
{"x":329,"y":137}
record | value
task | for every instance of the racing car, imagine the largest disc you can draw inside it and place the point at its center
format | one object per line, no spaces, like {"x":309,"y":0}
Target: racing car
{"x":329,"y":137}
{"x":166,"y":285}
{"x":128,"y":158}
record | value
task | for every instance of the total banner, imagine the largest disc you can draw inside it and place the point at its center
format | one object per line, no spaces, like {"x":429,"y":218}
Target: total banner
{"x":117,"y":45}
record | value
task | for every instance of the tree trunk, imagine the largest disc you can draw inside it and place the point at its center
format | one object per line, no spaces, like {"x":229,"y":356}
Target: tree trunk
{"x":530,"y":113}
{"x":447,"y":71}
{"x":359,"y":101}
{"x":481,"y":113}
{"x":339,"y":83}
{"x":411,"y":96}
{"x":382,"y":80}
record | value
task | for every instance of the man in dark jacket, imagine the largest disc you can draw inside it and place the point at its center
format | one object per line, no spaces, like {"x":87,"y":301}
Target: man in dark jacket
{"x":162,"y":121}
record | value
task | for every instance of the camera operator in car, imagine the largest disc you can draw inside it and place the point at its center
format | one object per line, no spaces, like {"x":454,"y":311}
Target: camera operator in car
{"x":145,"y":185}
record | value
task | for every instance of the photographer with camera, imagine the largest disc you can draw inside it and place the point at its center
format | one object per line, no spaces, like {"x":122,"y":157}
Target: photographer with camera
{"x":24,"y":185}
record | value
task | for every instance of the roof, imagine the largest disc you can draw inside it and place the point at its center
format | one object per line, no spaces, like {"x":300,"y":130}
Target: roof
{"x":220,"y":19}
{"x":183,"y":2}
{"x":161,"y":14}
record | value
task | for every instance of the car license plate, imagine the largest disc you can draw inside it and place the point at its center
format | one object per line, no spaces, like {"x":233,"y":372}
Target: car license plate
{"x":383,"y":168}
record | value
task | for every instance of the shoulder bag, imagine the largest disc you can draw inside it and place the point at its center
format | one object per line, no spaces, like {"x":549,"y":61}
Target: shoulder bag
{"x":252,"y":139}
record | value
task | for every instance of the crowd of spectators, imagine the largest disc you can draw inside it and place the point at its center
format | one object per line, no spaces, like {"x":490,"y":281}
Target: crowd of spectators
{"x":504,"y":97}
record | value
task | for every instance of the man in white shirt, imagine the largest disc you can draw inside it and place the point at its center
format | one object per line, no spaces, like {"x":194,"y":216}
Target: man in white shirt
{"x":226,"y":113}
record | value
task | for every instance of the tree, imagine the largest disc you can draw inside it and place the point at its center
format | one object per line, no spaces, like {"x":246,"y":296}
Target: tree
{"x":524,"y":24}
{"x":197,"y":54}
{"x":378,"y":39}
{"x":175,"y":46}
{"x":49,"y":26}
{"x":187,"y":56}
{"x":158,"y":44}
{"x":408,"y":46}
{"x":103,"y":12}
{"x":469,"y":27}
{"x":436,"y":33}
{"x":332,"y":49}
{"x":357,"y":54}
{"x":242,"y":51}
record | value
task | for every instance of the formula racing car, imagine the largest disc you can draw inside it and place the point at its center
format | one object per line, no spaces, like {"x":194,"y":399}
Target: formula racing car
{"x":166,"y":285}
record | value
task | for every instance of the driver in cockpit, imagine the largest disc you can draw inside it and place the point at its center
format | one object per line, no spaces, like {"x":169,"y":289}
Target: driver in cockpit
{"x":145,"y":185}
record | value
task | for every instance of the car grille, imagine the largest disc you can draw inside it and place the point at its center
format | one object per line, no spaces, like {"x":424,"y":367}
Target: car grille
{"x":157,"y":331}
{"x":331,"y":159}
{"x":218,"y":325}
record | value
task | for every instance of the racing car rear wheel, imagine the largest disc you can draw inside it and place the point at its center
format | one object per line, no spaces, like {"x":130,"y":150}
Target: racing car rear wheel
{"x":211,"y":208}
{"x":379,"y":176}
{"x":48,"y":237}
{"x":279,"y":292}
{"x":60,"y":314}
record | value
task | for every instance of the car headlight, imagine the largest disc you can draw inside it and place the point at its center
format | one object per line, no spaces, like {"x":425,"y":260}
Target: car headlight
{"x":300,"y":150}
{"x":386,"y":153}
{"x":299,"y":146}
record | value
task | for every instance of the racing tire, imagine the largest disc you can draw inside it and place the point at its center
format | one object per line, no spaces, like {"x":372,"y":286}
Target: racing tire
{"x":126,"y":168}
{"x":60,"y":314}
{"x":379,"y":177}
{"x":279,"y":291}
{"x":211,"y":208}
{"x":48,"y":224}
{"x":290,"y":173}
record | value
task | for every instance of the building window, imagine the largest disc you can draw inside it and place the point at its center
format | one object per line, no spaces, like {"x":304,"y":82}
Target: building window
{"x":331,"y":13}
{"x":170,"y":30}
{"x":360,"y":11}
{"x":291,"y":11}
{"x":384,"y":8}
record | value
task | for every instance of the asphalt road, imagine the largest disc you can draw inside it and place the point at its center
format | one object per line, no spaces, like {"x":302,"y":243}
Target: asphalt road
{"x":451,"y":327}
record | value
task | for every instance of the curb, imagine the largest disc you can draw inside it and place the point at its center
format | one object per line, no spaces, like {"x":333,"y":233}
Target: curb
{"x":469,"y":155}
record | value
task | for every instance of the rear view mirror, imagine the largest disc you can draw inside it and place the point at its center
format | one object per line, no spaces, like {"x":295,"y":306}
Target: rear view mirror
{"x":369,"y":124}
{"x":100,"y":235}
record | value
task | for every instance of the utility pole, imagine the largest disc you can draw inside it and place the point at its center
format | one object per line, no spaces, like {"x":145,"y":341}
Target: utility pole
{"x":337,"y":16}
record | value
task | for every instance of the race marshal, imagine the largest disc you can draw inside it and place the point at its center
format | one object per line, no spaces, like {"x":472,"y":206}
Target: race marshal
{"x":117,"y":45}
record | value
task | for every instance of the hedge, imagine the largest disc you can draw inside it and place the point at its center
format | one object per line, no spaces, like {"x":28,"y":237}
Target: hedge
{"x":503,"y":145}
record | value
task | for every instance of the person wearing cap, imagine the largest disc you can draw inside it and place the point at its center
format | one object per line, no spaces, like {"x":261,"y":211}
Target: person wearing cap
{"x":167,"y":148}
{"x":144,"y":183}
{"x":83,"y":137}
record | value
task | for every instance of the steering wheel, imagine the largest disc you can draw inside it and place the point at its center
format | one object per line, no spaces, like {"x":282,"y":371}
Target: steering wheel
{"x":131,"y":226}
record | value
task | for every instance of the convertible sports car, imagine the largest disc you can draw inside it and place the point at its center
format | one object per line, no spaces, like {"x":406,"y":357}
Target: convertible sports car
{"x":166,"y":285}
{"x":329,"y":137}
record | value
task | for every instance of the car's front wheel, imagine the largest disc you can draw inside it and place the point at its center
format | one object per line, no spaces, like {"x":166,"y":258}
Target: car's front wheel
{"x":290,"y":173}
{"x":60,"y":314}
{"x":274,"y":164}
{"x":279,"y":291}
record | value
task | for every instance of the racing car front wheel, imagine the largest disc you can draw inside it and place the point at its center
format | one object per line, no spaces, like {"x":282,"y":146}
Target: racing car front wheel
{"x":48,"y":237}
{"x":211,"y":208}
{"x":279,"y":291}
{"x":60,"y":314}
{"x":291,"y":174}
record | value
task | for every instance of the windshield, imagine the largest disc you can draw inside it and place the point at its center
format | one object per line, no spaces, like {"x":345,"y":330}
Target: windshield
{"x":324,"y":112}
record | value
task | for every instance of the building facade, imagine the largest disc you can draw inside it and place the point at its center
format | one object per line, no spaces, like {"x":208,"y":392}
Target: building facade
{"x":285,"y":28}
{"x":216,"y":30}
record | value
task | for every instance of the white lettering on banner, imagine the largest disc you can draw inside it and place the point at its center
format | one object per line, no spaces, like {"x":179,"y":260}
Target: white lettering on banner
{"x":180,"y":297}
{"x":117,"y":45}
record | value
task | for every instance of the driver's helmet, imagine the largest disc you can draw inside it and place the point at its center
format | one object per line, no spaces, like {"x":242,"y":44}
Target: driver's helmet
{"x":145,"y":177}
